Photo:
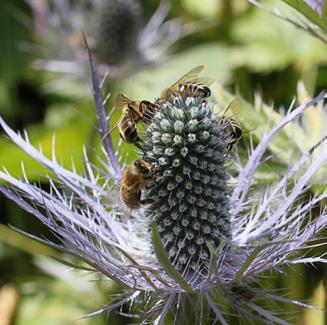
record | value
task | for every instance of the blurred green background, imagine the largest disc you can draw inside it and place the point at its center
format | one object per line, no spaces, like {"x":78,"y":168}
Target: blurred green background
{"x":248,"y":50}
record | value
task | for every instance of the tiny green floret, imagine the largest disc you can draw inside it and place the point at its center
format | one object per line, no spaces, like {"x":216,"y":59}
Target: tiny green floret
{"x":190,"y":198}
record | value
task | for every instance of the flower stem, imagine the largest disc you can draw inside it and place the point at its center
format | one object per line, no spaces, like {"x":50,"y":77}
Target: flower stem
{"x":192,"y":309}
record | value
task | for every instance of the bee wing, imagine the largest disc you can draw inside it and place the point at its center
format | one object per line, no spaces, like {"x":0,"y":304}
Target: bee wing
{"x":121,"y":100}
{"x":116,"y":202}
{"x":190,"y":76}
{"x":204,"y":81}
{"x":234,"y":113}
{"x":110,"y":130}
{"x":232,"y":110}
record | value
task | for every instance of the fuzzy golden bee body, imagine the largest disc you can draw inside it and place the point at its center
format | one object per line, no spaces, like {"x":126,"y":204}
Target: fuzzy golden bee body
{"x":231,"y":127}
{"x":133,"y":112}
{"x":189,"y":85}
{"x":232,"y":131}
{"x":136,"y":177}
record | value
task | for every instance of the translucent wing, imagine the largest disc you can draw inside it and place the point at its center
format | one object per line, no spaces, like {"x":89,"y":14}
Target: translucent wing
{"x":232,"y":110}
{"x":190,"y":76}
{"x":121,"y":100}
{"x":110,"y":130}
{"x":235,"y":112}
{"x":204,"y":81}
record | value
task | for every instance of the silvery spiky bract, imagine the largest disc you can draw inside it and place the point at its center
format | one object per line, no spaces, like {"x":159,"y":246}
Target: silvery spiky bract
{"x":312,"y":17}
{"x":268,"y":230}
{"x":316,"y":5}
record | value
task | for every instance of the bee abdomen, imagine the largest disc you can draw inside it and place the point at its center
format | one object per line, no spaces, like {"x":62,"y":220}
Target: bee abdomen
{"x":131,"y":198}
{"x":129,"y":132}
{"x":148,"y":110}
{"x":194,"y":90}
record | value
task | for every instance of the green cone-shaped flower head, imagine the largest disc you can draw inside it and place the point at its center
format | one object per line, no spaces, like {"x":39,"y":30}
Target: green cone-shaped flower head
{"x":190,"y":205}
{"x":117,"y":28}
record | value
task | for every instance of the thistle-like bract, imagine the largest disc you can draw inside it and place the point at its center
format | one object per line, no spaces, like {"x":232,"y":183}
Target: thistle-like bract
{"x":311,"y":17}
{"x":246,"y":233}
{"x":316,"y":5}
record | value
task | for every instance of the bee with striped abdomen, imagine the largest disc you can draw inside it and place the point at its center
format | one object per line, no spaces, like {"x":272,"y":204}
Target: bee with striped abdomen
{"x":232,"y":132}
{"x":231,"y":128}
{"x":137,"y":176}
{"x":133,"y":112}
{"x":189,"y":85}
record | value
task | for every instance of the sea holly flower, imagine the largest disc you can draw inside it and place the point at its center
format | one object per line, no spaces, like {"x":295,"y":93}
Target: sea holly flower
{"x":186,"y":148}
{"x":122,"y":42}
{"x":206,"y":238}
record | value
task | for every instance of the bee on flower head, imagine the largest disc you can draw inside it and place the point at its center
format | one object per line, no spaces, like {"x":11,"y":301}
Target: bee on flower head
{"x":231,"y":128}
{"x":133,"y":112}
{"x":189,"y":85}
{"x":137,"y":176}
{"x":232,"y":131}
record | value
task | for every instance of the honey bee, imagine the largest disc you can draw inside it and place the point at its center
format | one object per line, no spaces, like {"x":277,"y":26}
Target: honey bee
{"x":190,"y":85}
{"x":133,"y":112}
{"x":231,"y":128}
{"x":136,"y":177}
{"x":232,"y":132}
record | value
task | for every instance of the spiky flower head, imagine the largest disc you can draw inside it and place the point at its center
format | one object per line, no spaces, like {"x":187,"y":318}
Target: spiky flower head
{"x":267,"y":231}
{"x":186,"y":148}
{"x":121,"y":41}
{"x":117,"y":25}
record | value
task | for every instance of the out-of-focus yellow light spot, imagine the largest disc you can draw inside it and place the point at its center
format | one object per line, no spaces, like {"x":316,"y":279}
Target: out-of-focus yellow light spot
{"x":315,"y":316}
{"x":203,"y":8}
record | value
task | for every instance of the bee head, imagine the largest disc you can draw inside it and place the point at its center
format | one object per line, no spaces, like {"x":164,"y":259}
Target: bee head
{"x":143,"y":167}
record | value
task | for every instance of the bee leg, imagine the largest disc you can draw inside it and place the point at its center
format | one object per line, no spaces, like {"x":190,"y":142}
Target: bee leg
{"x":146,"y":201}
{"x":138,"y":144}
{"x":229,"y":147}
{"x":149,"y":181}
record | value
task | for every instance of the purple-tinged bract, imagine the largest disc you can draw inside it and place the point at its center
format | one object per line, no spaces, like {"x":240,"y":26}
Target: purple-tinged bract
{"x":266,"y":231}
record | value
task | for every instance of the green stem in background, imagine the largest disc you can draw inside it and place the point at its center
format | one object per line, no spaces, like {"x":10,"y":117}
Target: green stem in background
{"x":225,"y":19}
{"x":13,"y":238}
{"x":325,"y":286}
{"x":298,"y":290}
{"x":227,"y":10}
{"x":192,"y":309}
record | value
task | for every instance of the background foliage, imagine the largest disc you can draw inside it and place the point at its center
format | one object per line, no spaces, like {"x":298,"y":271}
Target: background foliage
{"x":252,"y":53}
